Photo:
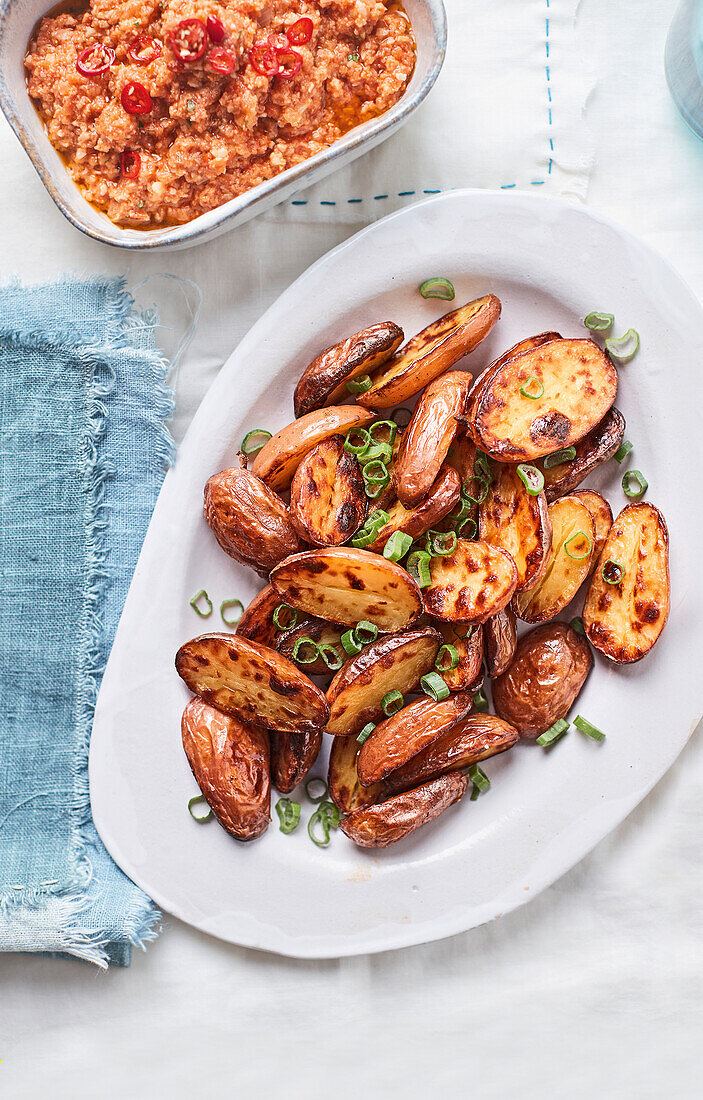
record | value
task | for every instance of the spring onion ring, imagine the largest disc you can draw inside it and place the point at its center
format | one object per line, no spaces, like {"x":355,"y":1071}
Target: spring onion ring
{"x":392,"y":703}
{"x":599,"y":322}
{"x":201,"y":595}
{"x":634,"y":484}
{"x":568,"y":454}
{"x":433,"y":685}
{"x":438,"y":287}
{"x":553,"y":734}
{"x":621,"y":349}
{"x":197,"y":800}
{"x":532,"y":388}
{"x":255,"y":433}
{"x":225,"y":606}
{"x":288,"y":815}
{"x":531,"y":478}
{"x":366,"y":732}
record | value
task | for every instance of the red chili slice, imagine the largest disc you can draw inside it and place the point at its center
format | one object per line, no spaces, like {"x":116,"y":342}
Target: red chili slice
{"x":264,"y":59}
{"x":95,"y":60}
{"x":136,"y":99}
{"x":130,"y":164}
{"x":222,"y":61}
{"x":215,"y":28}
{"x":143,"y":50}
{"x":301,"y":32}
{"x":189,"y":40}
{"x":290,"y":62}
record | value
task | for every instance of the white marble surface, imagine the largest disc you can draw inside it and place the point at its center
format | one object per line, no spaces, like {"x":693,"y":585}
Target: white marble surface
{"x":596,"y":989}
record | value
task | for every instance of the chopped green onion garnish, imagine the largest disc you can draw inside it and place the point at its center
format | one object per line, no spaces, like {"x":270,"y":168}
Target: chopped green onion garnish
{"x":327,"y":816}
{"x":331,"y":656}
{"x":280,"y":614}
{"x":467,"y":529}
{"x":483,"y":487}
{"x":201,"y":595}
{"x":323,"y":790}
{"x":461,"y":511}
{"x":479,"y":779}
{"x":360,"y":384}
{"x":375,"y":490}
{"x":365,"y":632}
{"x":599,"y":322}
{"x":254,"y":440}
{"x":447,"y":658}
{"x":433,"y":685}
{"x":375,"y":472}
{"x":531,"y":478}
{"x":397,"y":546}
{"x":579,"y":550}
{"x":462,"y":630}
{"x":532,"y":388}
{"x":553,"y":734}
{"x":288,"y":814}
{"x":369,"y":532}
{"x":623,"y":451}
{"x":350,"y":644}
{"x":634,"y":484}
{"x":357,"y":440}
{"x":483,"y":467}
{"x":305,"y":651}
{"x":622,"y":348}
{"x":391,"y":427}
{"x":588,"y":729}
{"x":577,"y":625}
{"x":366,"y":732}
{"x":377,"y":519}
{"x":480,"y":701}
{"x":382,"y":452}
{"x":418,"y":566}
{"x":237,"y":606}
{"x":392,"y":703}
{"x":197,"y":800}
{"x":442,"y":543}
{"x":402,"y":416}
{"x":612,"y":571}
{"x":438,"y":288}
{"x":568,"y":454}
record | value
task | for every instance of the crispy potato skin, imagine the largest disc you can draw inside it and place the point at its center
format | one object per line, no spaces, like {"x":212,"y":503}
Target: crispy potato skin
{"x":292,"y":756}
{"x":440,"y":500}
{"x":406,"y":733}
{"x":470,"y":650}
{"x":248,"y":520}
{"x":320,"y":632}
{"x":592,"y":451}
{"x":323,"y":382}
{"x":395,"y":663}
{"x":397,"y":817}
{"x":429,"y":436}
{"x":280,"y":457}
{"x":256,"y":622}
{"x":563,"y":575}
{"x":474,"y":739}
{"x":327,"y":494}
{"x":230,"y":762}
{"x":345,"y":787}
{"x":580,"y":384}
{"x":470,"y":585}
{"x":434,"y":350}
{"x":482,"y":378}
{"x":602,"y":516}
{"x":624,"y":620}
{"x":549,"y":669}
{"x":252,"y":683}
{"x":500,"y":640}
{"x":345,"y":585}
{"x":519,"y":523}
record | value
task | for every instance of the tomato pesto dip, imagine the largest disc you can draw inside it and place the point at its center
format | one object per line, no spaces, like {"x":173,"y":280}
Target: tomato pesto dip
{"x":163,"y":110}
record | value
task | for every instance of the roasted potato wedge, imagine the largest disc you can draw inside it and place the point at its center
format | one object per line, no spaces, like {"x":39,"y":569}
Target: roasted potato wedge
{"x":292,"y":756}
{"x":344,"y":585}
{"x":470,"y":649}
{"x":324,"y":381}
{"x":252,"y":683}
{"x":429,"y":436}
{"x":397,"y":817}
{"x":500,"y":640}
{"x":281,"y":455}
{"x":517,"y":522}
{"x":408,"y":732}
{"x":395,"y":663}
{"x":593,"y":450}
{"x":440,"y":500}
{"x":474,"y":739}
{"x":256,"y":622}
{"x":318,"y":631}
{"x":544,"y":678}
{"x":327,"y":495}
{"x":602,"y":516}
{"x":578,"y":384}
{"x":434,"y":350}
{"x":568,"y":564}
{"x":470,"y":585}
{"x":625,"y":619}
{"x":346,"y":790}
{"x":230,"y":762}
{"x":248,"y":520}
{"x":488,"y":372}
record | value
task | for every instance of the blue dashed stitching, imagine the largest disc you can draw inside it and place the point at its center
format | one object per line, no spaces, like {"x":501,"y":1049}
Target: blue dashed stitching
{"x":549,"y":89}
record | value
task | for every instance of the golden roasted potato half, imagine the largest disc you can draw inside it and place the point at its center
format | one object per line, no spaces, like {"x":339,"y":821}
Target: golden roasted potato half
{"x":429,"y":436}
{"x":568,"y":564}
{"x":344,"y":585}
{"x":488,"y":372}
{"x":592,"y":451}
{"x":511,"y":518}
{"x":230,"y":762}
{"x":318,"y":631}
{"x":440,"y":500}
{"x":572,"y":383}
{"x":434,"y":350}
{"x":252,"y":683}
{"x":292,"y":756}
{"x":346,"y":790}
{"x":395,"y":663}
{"x":327,"y":495}
{"x":408,"y":732}
{"x":602,"y":516}
{"x":624,"y":619}
{"x":500,"y":640}
{"x":469,"y":647}
{"x":397,"y":817}
{"x":470,"y":585}
{"x":281,"y":455}
{"x":324,"y":382}
{"x":256,"y":622}
{"x":544,"y":678}
{"x":474,"y":739}
{"x":248,"y":520}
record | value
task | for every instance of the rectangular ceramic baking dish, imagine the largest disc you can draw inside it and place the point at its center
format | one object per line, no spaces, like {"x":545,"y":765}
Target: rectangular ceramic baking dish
{"x":17,"y":19}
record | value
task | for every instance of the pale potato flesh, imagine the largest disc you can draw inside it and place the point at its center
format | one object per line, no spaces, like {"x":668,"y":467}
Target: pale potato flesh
{"x":479,"y":383}
{"x":327,"y":495}
{"x":511,"y":518}
{"x":602,"y":516}
{"x":281,"y":455}
{"x":564,"y":575}
{"x":345,"y":788}
{"x":470,"y":585}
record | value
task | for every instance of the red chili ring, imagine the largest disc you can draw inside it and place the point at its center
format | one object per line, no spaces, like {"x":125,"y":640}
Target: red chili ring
{"x":143,"y":49}
{"x":215,"y":28}
{"x":221,"y":60}
{"x":290,"y":62}
{"x":300,"y":32}
{"x":189,"y":40}
{"x":264,"y":59}
{"x":136,"y":99}
{"x":91,"y":70}
{"x":130,"y":164}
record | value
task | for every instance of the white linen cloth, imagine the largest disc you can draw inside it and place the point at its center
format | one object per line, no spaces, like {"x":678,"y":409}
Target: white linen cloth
{"x":594,"y":989}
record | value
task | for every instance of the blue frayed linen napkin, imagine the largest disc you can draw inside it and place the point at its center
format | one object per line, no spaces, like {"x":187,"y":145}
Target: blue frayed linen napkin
{"x":83,"y":453}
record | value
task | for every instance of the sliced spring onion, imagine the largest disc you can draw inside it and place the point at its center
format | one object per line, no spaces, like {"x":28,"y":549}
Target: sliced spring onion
{"x":586,"y":727}
{"x":198,"y":800}
{"x":623,"y":451}
{"x":623,"y":348}
{"x":357,"y":440}
{"x":402,"y":416}
{"x":568,"y":454}
{"x":531,"y":478}
{"x":375,"y":490}
{"x":372,"y":525}
{"x":577,"y":625}
{"x":377,"y":519}
{"x":397,"y":546}
{"x":612,"y":571}
{"x":462,"y":630}
{"x":461,"y":511}
{"x":288,"y":815}
{"x":228,"y":605}
{"x":327,"y":819}
{"x":634,"y":484}
{"x":418,"y":566}
{"x":532,"y":388}
{"x":388,"y":425}
{"x":438,"y":287}
{"x":279,"y":615}
{"x":482,"y":490}
{"x":350,"y":644}
{"x":376,"y":452}
{"x":322,"y":789}
{"x":254,"y":440}
{"x":375,"y":472}
{"x":599,"y":322}
{"x":483,"y":467}
{"x":584,"y":546}
{"x":442,"y":543}
{"x":366,"y":732}
{"x":392,"y":703}
{"x":553,"y":734}
{"x":467,"y":529}
{"x":447,"y":658}
{"x":433,"y":685}
{"x":305,"y":651}
{"x":197,"y":599}
{"x":479,"y":778}
{"x":331,"y":656}
{"x":360,"y":384}
{"x":480,"y":701}
{"x":365,"y":632}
